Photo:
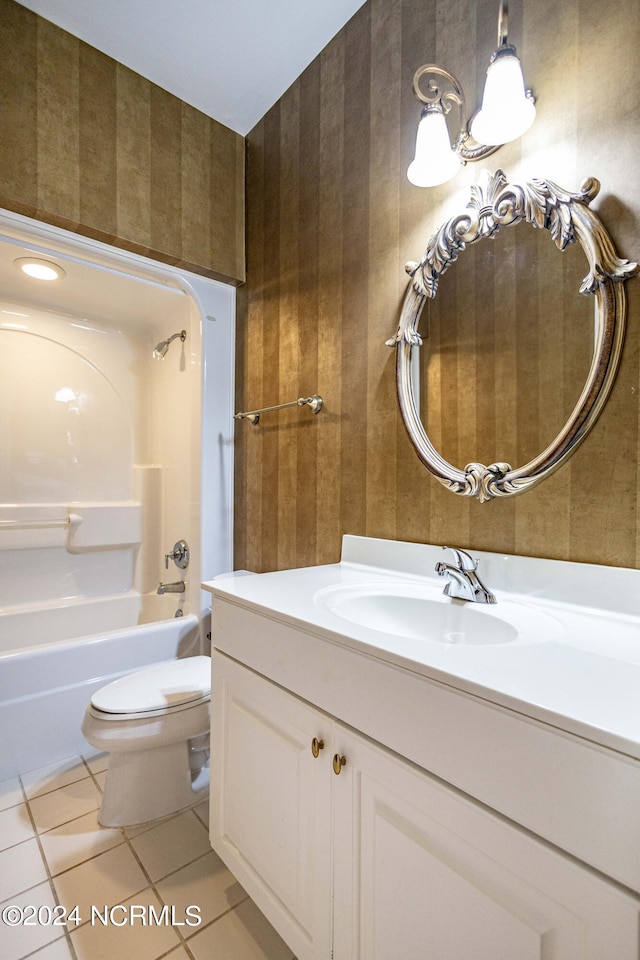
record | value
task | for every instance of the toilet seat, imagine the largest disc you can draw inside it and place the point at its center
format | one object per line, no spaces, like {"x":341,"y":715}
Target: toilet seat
{"x":167,"y":687}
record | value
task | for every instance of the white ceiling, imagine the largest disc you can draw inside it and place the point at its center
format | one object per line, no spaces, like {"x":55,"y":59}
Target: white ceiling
{"x":232,"y":60}
{"x":88,"y":290}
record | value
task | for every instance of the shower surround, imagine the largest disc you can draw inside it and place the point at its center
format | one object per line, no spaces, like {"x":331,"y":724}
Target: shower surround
{"x":101,"y":468}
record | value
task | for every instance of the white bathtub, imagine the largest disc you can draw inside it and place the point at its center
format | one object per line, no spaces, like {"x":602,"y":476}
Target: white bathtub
{"x":45,"y":687}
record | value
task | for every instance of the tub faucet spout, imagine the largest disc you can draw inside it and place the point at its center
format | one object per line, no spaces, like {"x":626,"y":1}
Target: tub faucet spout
{"x":178,"y":587}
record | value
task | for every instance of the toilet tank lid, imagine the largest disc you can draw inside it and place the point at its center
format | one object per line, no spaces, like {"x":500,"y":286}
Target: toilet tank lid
{"x":166,"y":684}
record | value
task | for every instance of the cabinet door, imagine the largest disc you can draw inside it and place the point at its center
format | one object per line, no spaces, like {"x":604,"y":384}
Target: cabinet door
{"x":424,"y":873}
{"x":270,"y":803}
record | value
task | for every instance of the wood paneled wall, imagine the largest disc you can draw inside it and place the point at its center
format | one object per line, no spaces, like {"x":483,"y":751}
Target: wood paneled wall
{"x":89,"y":145}
{"x":331,"y":220}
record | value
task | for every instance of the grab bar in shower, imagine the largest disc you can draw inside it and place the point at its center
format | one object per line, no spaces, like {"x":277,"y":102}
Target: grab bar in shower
{"x":314,"y":402}
{"x":35,"y":523}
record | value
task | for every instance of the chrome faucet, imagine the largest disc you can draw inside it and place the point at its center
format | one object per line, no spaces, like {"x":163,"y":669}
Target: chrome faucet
{"x":462,"y":581}
{"x":171,"y":587}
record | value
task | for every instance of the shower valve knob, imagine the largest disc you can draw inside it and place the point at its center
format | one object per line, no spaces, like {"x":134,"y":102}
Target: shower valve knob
{"x":179,"y":555}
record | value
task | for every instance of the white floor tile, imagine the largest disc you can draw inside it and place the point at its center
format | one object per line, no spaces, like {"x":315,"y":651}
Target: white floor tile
{"x":109,"y":879}
{"x":205,"y":883}
{"x":10,"y":793}
{"x":21,"y":867}
{"x":94,"y":866}
{"x":15,"y":826}
{"x":52,"y":809}
{"x":138,"y":828}
{"x":242,"y":934}
{"x":201,"y":810}
{"x":80,"y":839}
{"x":98,"y":763}
{"x":59,"y":950}
{"x":101,"y":779}
{"x":171,"y":845}
{"x":17,"y":942}
{"x":53,"y":776}
{"x":131,"y":941}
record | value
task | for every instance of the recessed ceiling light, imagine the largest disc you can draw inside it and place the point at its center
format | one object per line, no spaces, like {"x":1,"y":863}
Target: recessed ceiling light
{"x":40,"y":269}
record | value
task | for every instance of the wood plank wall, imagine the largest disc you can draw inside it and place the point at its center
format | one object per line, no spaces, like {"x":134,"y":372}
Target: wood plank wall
{"x":331,"y":220}
{"x":89,"y":145}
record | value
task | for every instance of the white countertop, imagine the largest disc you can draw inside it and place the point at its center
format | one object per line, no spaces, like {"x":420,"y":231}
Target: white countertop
{"x":582,"y":676}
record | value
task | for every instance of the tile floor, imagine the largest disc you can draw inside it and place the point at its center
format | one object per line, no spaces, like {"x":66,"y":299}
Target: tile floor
{"x":54,"y":852}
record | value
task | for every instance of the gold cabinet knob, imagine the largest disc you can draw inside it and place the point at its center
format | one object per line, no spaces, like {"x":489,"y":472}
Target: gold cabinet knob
{"x":338,"y":763}
{"x":316,"y":746}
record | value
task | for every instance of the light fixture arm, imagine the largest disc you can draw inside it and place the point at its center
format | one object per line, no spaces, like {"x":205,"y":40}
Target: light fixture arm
{"x":450,"y":94}
{"x":503,"y":24}
{"x":504,"y":48}
{"x":443,"y":91}
{"x":469,"y":149}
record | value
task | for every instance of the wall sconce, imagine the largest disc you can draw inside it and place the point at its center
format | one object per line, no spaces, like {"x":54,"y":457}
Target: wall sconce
{"x":507,"y":111}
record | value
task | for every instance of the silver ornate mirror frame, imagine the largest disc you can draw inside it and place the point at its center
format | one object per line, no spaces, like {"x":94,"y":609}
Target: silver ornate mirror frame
{"x":495,"y":203}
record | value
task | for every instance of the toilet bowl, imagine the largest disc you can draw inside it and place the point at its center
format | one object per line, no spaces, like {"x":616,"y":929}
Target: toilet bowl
{"x":154,"y":725}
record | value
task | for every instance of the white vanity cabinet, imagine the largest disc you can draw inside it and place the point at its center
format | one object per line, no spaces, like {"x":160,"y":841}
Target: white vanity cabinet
{"x":271,"y":802}
{"x":377,"y":858}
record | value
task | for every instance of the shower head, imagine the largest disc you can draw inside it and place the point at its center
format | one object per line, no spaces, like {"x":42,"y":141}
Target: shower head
{"x":161,"y":349}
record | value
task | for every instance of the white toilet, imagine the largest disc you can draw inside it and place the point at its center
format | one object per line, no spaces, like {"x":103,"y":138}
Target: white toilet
{"x":154,"y":724}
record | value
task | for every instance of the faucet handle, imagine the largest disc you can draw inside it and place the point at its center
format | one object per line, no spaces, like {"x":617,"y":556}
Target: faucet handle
{"x":179,"y":555}
{"x":464,"y":561}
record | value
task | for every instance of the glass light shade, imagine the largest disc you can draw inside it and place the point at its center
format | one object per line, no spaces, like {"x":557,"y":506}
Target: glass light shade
{"x":434,"y":161}
{"x":506,"y":110}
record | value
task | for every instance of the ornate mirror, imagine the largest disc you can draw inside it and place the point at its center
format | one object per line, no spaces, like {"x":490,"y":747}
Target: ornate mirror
{"x":546,"y":298}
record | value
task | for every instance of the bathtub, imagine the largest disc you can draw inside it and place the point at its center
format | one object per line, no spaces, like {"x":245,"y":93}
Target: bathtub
{"x":48,"y":671}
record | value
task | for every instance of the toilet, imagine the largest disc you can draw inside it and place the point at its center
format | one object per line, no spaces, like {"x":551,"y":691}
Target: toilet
{"x":154,"y":725}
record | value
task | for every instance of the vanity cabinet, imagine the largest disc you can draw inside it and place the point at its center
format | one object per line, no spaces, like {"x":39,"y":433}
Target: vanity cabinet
{"x":271,"y":803}
{"x":354,"y":853}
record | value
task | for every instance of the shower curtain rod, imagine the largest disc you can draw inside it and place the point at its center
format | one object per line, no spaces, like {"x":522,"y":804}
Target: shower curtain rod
{"x":314,"y":402}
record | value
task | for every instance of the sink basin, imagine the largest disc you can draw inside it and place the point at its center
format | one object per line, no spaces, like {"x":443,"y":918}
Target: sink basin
{"x":419,"y":611}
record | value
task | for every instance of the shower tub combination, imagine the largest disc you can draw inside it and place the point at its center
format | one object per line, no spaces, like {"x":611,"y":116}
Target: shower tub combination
{"x":107,"y":445}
